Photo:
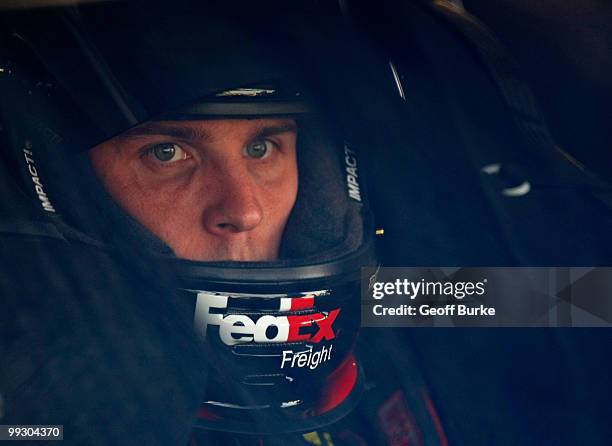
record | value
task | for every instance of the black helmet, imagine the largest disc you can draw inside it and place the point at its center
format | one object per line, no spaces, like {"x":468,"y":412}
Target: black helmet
{"x":280,"y":334}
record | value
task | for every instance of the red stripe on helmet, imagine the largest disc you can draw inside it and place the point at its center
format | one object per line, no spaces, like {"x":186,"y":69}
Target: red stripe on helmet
{"x":339,"y":385}
{"x":302,"y":303}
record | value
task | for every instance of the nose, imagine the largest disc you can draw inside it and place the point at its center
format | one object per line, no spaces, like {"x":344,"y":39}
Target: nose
{"x":234,"y":206}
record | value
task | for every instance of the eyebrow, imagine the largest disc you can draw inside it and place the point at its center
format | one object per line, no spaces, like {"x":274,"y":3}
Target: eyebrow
{"x":271,"y":130}
{"x":173,"y":131}
{"x":190,"y":134}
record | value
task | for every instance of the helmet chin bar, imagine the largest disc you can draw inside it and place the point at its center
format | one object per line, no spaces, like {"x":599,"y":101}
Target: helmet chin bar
{"x":278,"y":362}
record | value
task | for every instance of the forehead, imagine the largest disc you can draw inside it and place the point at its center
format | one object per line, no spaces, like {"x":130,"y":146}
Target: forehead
{"x":211,"y":129}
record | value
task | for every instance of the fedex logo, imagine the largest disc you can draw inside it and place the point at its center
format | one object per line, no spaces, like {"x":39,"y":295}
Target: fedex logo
{"x":241,"y":328}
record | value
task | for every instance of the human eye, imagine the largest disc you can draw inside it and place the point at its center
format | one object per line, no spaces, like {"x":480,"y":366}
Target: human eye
{"x":166,"y":153}
{"x":259,"y":148}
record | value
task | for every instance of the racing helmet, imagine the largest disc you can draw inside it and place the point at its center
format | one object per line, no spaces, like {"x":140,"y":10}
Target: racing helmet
{"x":279,"y":334}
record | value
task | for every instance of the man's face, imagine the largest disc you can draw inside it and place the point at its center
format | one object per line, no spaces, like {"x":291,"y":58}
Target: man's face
{"x":210,"y":189}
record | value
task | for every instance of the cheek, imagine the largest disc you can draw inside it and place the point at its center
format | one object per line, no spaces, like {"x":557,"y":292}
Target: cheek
{"x":280,"y":196}
{"x":164,"y":207}
{"x":152,"y":200}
